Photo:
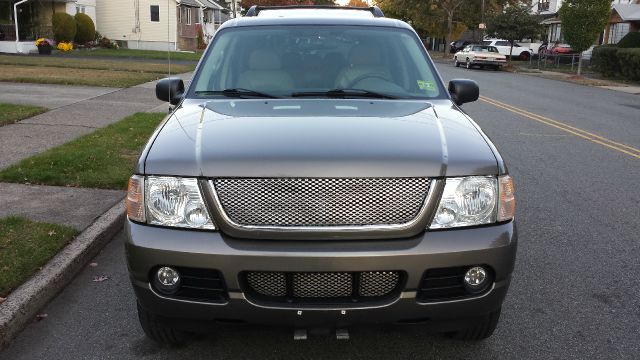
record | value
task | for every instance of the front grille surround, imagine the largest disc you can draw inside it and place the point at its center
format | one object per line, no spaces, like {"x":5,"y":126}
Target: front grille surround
{"x":321,"y":202}
{"x":322,"y":288}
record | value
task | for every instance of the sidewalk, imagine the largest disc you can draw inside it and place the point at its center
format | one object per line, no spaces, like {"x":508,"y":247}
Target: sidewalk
{"x":77,"y":110}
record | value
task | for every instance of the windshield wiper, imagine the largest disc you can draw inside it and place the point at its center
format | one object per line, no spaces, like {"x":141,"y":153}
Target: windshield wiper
{"x":237,"y":93}
{"x":342,"y":93}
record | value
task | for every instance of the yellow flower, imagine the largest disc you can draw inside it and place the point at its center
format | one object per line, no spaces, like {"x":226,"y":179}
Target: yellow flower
{"x":65,"y":46}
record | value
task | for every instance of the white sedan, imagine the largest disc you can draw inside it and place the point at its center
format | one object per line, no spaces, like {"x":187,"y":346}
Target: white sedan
{"x":481,"y":55}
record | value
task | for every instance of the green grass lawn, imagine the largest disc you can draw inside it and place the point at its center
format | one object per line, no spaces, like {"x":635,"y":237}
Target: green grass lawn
{"x":137,"y":54}
{"x":102,"y":159}
{"x":95,"y":64}
{"x":25,"y":246}
{"x":10,"y":113}
{"x":90,"y":72}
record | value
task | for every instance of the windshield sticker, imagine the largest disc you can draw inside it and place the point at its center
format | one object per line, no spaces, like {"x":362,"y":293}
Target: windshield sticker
{"x":426,"y":85}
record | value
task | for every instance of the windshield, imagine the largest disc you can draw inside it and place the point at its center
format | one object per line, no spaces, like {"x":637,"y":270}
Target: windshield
{"x":290,"y":61}
{"x":485,"y":49}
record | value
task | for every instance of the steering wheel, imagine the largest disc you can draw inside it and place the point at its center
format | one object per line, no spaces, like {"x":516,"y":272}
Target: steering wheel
{"x":366,"y":76}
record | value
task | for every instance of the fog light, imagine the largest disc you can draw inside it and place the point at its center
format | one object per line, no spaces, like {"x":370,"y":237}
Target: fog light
{"x":167,"y":280}
{"x":476,"y":279}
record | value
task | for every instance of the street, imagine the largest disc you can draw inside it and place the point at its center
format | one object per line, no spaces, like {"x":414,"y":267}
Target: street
{"x":572,"y":151}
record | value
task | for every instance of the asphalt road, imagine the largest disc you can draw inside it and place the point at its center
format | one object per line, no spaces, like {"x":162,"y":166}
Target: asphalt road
{"x":575,"y":292}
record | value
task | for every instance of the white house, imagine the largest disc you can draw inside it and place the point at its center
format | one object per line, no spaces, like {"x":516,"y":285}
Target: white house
{"x":23,"y":21}
{"x":159,"y":24}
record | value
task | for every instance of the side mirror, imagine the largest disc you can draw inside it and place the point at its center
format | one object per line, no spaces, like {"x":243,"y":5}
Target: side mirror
{"x":463,"y":91}
{"x":170,"y":90}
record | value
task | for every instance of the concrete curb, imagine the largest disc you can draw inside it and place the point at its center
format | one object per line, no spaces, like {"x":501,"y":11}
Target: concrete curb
{"x":24,"y":303}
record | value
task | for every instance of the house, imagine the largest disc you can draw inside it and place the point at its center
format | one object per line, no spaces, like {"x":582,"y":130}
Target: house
{"x":625,"y":18}
{"x":32,"y":19}
{"x":159,"y":24}
{"x":548,"y":10}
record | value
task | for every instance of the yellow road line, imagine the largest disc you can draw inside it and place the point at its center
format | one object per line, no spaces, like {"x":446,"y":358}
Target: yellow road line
{"x":626,"y":149}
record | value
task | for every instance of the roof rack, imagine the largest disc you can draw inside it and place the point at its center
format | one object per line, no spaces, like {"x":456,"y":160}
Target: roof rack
{"x":255,"y":9}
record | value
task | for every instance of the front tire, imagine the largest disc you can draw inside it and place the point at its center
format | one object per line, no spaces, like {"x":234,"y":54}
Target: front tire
{"x":468,"y":64}
{"x":524,"y":56}
{"x":455,"y":59}
{"x":480,"y":330}
{"x":159,"y":332}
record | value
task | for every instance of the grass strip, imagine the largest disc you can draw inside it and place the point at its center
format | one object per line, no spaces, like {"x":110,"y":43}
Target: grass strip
{"x":25,"y":246}
{"x":10,"y":113}
{"x":137,"y":54}
{"x":95,"y":64}
{"x":87,"y":77}
{"x":103,"y":159}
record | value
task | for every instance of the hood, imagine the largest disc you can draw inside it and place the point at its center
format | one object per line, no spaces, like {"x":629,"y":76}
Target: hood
{"x":327,"y":138}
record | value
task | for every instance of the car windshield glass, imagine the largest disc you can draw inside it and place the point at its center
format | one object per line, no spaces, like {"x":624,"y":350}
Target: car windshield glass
{"x":317,"y":61}
{"x":485,"y":49}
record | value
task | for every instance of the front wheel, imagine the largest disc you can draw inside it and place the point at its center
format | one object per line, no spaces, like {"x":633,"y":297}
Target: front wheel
{"x":468,"y":64}
{"x":524,"y":56}
{"x":480,"y":330}
{"x":455,"y":59}
{"x":159,"y":332}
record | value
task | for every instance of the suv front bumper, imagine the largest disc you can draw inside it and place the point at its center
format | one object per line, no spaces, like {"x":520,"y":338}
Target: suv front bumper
{"x":148,"y":247}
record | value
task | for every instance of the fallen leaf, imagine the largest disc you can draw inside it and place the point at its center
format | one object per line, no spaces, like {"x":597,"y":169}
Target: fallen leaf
{"x":2,"y":300}
{"x":51,"y":233}
{"x":93,"y":264}
{"x":41,"y":317}
{"x":100,"y":278}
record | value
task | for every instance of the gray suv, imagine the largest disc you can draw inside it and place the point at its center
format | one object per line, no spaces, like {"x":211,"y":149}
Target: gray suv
{"x":317,"y":173}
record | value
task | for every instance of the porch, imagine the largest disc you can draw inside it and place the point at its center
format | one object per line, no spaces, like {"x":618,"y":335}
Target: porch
{"x":33,"y":21}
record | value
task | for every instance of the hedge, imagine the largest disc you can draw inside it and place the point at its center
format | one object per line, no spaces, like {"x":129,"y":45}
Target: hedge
{"x":613,"y":61}
{"x":86,"y":29}
{"x":631,"y":40}
{"x":64,"y":27}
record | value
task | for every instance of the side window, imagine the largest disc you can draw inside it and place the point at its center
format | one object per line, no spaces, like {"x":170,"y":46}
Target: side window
{"x":155,"y":13}
{"x":502,"y":43}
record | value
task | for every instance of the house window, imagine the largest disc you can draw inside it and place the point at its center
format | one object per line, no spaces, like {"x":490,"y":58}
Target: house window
{"x":155,"y":13}
{"x":80,"y":9}
{"x":617,"y":32}
{"x":543,"y":5}
{"x":188,"y":12}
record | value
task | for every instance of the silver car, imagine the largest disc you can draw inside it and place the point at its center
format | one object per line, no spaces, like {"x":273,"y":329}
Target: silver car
{"x":317,"y":172}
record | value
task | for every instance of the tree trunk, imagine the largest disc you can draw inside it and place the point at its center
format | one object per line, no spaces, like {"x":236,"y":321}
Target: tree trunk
{"x":579,"y":64}
{"x":449,"y":32}
{"x":511,"y":51}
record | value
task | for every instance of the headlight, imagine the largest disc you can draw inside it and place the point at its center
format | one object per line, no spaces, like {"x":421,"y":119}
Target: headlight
{"x":168,"y":201}
{"x":467,"y":201}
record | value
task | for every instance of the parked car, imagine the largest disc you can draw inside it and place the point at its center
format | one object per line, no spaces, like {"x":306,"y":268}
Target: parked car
{"x":504,"y":47}
{"x":317,"y":172}
{"x":587,"y":54}
{"x":480,"y":55}
{"x":458,"y":45}
{"x":560,"y":49}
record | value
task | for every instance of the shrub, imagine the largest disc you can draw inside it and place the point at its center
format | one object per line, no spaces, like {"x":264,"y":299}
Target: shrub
{"x":631,"y":40}
{"x":605,"y":60}
{"x":64,"y":27}
{"x":86,"y":29}
{"x":629,"y":59}
{"x":106,"y":43}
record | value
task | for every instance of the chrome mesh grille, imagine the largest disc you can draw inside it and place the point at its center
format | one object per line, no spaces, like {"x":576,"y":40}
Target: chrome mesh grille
{"x":268,"y":283}
{"x":378,"y":283}
{"x":323,"y":285}
{"x":322,"y":201}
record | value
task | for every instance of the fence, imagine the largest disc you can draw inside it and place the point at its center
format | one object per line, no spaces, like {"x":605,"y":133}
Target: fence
{"x":551,"y":61}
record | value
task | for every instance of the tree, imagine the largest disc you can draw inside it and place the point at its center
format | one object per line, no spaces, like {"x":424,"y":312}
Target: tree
{"x":358,"y":3}
{"x":582,"y":23}
{"x":515,"y":23}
